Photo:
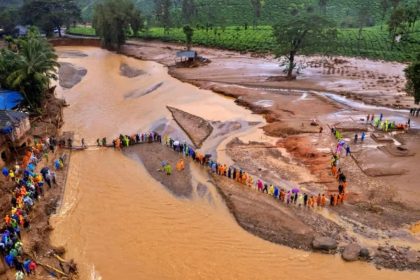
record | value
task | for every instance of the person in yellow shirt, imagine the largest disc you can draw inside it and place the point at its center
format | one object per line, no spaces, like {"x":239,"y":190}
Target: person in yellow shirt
{"x":271,"y":190}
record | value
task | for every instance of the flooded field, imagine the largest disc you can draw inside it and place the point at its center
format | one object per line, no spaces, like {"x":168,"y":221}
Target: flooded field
{"x":117,"y":222}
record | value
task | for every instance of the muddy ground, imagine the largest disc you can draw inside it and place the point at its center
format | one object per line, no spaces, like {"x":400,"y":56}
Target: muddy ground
{"x":152,"y":155}
{"x":36,"y":239}
{"x":70,"y":75}
{"x":381,"y":206}
{"x":195,"y":127}
{"x":374,"y":82}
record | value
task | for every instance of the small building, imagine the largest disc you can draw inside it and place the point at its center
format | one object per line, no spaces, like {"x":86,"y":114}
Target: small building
{"x":187,"y":55}
{"x":14,"y":128}
{"x":20,"y":31}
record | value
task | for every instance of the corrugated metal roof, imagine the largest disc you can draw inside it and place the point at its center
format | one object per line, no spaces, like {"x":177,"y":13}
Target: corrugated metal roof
{"x":187,"y":54}
{"x":11,"y":118}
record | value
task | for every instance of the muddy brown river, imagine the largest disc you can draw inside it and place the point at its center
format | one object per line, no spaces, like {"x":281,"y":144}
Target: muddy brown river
{"x":117,"y":222}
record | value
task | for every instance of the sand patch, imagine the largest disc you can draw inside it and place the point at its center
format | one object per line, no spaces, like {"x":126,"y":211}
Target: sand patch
{"x":140,"y":92}
{"x":130,"y":72}
{"x":70,"y":75}
{"x":195,"y":127}
{"x":152,"y":155}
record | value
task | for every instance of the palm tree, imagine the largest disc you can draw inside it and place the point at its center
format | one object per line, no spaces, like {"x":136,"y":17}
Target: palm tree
{"x":35,"y":66}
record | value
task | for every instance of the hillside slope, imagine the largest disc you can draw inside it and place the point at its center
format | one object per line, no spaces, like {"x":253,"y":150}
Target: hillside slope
{"x":240,"y":12}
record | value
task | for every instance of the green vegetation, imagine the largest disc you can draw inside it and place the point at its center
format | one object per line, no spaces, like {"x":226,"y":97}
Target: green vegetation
{"x":50,"y":14}
{"x":113,"y":19}
{"x":301,"y":34}
{"x":373,"y":43}
{"x":189,"y":33}
{"x":412,"y":73}
{"x":28,"y":65}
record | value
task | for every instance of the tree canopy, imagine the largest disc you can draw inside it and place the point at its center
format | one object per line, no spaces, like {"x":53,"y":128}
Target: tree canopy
{"x":412,"y":74}
{"x":189,"y":33}
{"x":29,"y":66}
{"x":113,"y":19}
{"x":9,"y":18}
{"x":300,"y":34}
{"x":163,"y":13}
{"x":50,"y":14}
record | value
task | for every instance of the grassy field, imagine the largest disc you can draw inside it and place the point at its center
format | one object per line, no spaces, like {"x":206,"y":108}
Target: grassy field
{"x":373,"y":43}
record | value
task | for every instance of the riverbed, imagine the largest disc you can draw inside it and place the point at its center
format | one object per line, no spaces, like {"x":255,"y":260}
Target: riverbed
{"x":117,"y":222}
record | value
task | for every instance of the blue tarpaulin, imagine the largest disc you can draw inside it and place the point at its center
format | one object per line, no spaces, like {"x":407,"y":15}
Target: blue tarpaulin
{"x":9,"y":99}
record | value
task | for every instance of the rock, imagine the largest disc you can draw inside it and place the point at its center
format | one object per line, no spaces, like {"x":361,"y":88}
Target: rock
{"x":364,"y":253}
{"x":412,"y":257}
{"x":351,"y":252}
{"x":324,"y":243}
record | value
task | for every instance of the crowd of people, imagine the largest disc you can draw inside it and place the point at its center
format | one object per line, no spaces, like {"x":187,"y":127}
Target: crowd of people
{"x":288,"y":196}
{"x":28,"y":188}
{"x":414,"y":112}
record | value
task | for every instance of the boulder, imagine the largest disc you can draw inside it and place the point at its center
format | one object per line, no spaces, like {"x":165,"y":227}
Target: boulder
{"x":351,"y":252}
{"x":364,"y":253}
{"x":324,"y":243}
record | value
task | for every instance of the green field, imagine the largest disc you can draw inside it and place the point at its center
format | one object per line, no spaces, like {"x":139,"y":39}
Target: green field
{"x":374,"y":42}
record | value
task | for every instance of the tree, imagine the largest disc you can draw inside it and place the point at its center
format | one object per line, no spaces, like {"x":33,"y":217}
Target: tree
{"x":50,"y":14}
{"x":8,"y":20}
{"x":412,"y":14}
{"x":395,"y":3}
{"x":189,"y":32}
{"x":412,"y":74}
{"x":188,"y":10}
{"x":323,"y":6}
{"x":256,"y":7}
{"x":112,"y":20}
{"x":385,"y":5}
{"x":397,"y":23}
{"x":301,"y":34}
{"x":29,"y":69}
{"x":363,"y":18}
{"x":163,"y":13}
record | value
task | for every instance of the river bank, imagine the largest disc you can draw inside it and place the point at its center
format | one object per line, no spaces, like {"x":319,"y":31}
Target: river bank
{"x":234,"y":75}
{"x":36,"y":237}
{"x":105,"y":178}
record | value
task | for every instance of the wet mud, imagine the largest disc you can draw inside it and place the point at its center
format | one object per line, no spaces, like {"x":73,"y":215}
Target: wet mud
{"x":70,"y":75}
{"x":152,"y":155}
{"x":197,"y":129}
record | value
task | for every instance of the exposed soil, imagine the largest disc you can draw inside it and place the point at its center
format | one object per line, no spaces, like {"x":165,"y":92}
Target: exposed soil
{"x":141,"y":92}
{"x":265,"y":217}
{"x":195,"y":127}
{"x":374,"y":82}
{"x":70,"y":75}
{"x":36,"y":240}
{"x":152,"y":155}
{"x":130,"y":72}
{"x":378,"y":210}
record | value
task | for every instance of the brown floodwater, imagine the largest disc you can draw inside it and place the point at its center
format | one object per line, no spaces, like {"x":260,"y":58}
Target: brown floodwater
{"x":117,"y":222}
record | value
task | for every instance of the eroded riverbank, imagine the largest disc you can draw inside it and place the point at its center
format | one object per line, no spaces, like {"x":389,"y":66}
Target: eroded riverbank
{"x":172,"y":231}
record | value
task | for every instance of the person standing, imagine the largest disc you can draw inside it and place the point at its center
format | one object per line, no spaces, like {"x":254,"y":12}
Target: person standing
{"x":348,"y":151}
{"x":363,"y":136}
{"x":356,"y":137}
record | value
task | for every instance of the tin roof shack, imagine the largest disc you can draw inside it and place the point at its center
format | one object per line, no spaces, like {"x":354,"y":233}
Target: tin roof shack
{"x":187,"y":55}
{"x":190,"y":59}
{"x":14,"y":128}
